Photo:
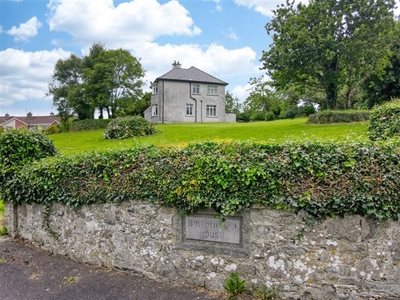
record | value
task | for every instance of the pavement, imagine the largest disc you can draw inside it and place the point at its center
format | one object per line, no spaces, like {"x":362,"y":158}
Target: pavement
{"x":30,"y":273}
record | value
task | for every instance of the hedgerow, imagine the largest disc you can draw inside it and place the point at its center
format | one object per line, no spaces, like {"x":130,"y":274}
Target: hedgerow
{"x":89,"y":124}
{"x":338,"y":116}
{"x":322,"y":179}
{"x":385,"y":121}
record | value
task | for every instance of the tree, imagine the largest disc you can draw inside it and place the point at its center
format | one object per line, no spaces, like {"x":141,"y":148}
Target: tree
{"x":104,"y":80}
{"x":266,"y":101}
{"x":67,"y":89}
{"x":115,"y":79}
{"x":232,"y":104}
{"x":380,"y":89}
{"x":329,"y":46}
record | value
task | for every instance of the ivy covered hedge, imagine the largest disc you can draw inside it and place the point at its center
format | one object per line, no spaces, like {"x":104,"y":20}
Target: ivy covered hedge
{"x":323,"y":179}
{"x":385,"y":121}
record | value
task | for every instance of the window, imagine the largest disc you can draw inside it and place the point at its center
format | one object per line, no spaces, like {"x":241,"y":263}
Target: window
{"x":189,"y":109}
{"x":155,"y":88}
{"x":212,"y":90}
{"x":211,"y":110}
{"x":196,"y":89}
{"x":154,"y":110}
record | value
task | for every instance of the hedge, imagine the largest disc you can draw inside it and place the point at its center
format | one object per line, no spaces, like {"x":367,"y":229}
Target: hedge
{"x":385,"y":121}
{"x":322,"y":179}
{"x":338,"y":116}
{"x":89,"y":124}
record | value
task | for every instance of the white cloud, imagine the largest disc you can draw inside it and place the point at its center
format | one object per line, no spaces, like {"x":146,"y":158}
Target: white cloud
{"x":241,"y":92}
{"x":25,"y":75}
{"x":218,"y":6}
{"x":126,"y":25}
{"x":231,"y":34}
{"x":264,"y":7}
{"x":25,"y":30}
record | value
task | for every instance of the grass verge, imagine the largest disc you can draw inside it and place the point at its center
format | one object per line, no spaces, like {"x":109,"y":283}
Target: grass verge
{"x":3,"y":229}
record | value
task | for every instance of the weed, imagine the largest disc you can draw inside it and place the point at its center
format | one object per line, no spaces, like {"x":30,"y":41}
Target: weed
{"x":262,"y":293}
{"x":3,"y":230}
{"x":235,"y":286}
{"x":2,"y":260}
{"x":34,"y":276}
{"x":70,"y":280}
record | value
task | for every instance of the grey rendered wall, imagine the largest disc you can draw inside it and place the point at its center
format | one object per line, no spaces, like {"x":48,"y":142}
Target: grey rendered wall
{"x":173,"y":96}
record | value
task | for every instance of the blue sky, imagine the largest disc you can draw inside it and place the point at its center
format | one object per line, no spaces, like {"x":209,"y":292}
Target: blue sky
{"x":222,"y":37}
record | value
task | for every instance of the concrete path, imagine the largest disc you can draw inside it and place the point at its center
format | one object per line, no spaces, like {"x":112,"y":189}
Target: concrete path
{"x":28,"y":273}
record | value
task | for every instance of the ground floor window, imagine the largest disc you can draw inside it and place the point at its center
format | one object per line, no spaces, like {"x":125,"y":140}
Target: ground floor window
{"x":211,"y":110}
{"x":189,"y":109}
{"x":154,"y":110}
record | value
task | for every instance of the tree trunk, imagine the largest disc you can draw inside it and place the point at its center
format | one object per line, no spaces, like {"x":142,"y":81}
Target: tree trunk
{"x":331,"y":83}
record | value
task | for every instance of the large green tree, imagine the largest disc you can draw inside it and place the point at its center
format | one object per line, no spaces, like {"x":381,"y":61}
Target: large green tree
{"x":381,"y":88}
{"x":330,"y":46}
{"x":104,"y":80}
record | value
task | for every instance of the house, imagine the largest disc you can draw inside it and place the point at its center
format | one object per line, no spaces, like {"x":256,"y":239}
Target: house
{"x":188,"y":95}
{"x":29,"y":122}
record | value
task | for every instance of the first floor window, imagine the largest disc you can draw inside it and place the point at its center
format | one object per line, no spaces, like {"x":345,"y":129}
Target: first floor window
{"x":189,"y":109}
{"x":196,"y":89}
{"x":212,"y":90}
{"x":211,"y":110}
{"x":154,"y":110}
{"x":155,"y":88}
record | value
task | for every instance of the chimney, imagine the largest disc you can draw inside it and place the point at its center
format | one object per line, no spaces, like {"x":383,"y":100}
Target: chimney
{"x":176,"y":65}
{"x":7,"y":115}
{"x":51,"y":114}
{"x":29,"y":115}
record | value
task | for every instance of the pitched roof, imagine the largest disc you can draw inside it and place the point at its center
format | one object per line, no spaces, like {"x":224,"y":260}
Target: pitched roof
{"x":190,"y":75}
{"x":33,"y":120}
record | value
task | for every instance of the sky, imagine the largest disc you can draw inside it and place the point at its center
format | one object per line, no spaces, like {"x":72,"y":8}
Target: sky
{"x":224,"y":38}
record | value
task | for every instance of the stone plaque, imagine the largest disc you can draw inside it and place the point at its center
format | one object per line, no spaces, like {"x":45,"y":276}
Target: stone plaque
{"x":208,"y":228}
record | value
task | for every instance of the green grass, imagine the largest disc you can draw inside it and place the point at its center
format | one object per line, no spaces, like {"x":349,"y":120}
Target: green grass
{"x":3,"y":229}
{"x":180,"y":134}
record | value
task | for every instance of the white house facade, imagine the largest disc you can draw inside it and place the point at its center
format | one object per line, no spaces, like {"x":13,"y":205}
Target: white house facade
{"x":188,"y":95}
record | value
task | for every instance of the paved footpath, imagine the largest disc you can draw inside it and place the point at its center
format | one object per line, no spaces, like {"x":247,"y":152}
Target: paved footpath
{"x":28,"y":273}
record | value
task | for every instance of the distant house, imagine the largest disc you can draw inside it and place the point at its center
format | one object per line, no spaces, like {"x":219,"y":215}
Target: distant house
{"x":29,"y":121}
{"x":188,"y":95}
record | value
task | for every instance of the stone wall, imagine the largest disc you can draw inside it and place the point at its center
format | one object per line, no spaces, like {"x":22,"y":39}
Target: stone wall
{"x":349,"y":258}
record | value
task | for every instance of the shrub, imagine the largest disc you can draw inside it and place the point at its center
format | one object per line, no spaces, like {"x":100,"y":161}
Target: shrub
{"x":127,"y":127}
{"x":339,"y":116}
{"x":20,"y":147}
{"x":89,"y":124}
{"x":52,"y":129}
{"x":258,"y":116}
{"x":385,"y":121}
{"x":269,"y":116}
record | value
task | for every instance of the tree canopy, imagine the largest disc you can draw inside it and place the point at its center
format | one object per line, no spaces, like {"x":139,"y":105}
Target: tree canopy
{"x":104,"y":80}
{"x":329,"y":46}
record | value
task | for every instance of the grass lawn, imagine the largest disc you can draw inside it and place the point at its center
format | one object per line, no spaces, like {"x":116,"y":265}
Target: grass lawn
{"x":180,"y":134}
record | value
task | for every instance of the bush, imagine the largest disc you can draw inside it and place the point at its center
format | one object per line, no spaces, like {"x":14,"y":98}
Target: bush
{"x":385,"y":121}
{"x":338,"y":116}
{"x":258,"y":116}
{"x":89,"y":124}
{"x":20,"y":147}
{"x":127,"y":127}
{"x":322,"y":179}
{"x":52,"y":129}
{"x":269,"y":116}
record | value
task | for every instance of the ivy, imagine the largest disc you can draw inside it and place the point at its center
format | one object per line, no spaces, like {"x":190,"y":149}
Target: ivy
{"x":321,"y":179}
